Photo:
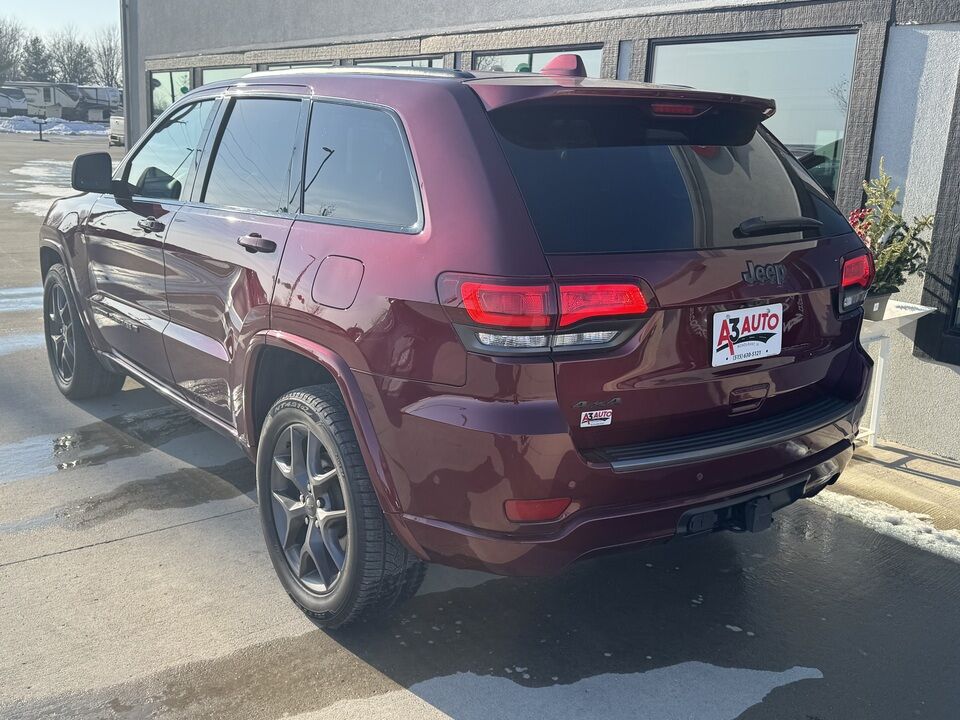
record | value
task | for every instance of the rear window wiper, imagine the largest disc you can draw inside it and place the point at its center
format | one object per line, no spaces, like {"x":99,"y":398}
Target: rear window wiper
{"x":761,"y":225}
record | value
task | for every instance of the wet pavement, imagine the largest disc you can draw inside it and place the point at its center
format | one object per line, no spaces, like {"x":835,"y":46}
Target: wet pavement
{"x":134,"y":584}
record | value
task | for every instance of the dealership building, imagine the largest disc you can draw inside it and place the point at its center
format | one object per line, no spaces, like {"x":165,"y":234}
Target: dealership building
{"x":854,"y":81}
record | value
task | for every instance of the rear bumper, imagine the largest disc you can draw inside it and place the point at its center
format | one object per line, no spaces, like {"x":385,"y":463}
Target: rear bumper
{"x":589,"y":533}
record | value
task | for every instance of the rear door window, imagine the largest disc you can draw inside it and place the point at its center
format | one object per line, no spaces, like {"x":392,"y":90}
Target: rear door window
{"x":612,"y":177}
{"x":255,"y":155}
{"x":358,"y":168}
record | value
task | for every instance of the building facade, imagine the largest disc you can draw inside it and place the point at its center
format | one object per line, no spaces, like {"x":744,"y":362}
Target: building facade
{"x":854,"y":81}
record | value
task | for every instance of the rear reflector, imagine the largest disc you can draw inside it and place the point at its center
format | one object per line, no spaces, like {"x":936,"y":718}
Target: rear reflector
{"x":579,"y":302}
{"x":514,"y":306}
{"x":535,"y":510}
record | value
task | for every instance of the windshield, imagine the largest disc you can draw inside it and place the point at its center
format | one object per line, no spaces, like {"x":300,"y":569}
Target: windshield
{"x":13,"y":93}
{"x":606,"y":176}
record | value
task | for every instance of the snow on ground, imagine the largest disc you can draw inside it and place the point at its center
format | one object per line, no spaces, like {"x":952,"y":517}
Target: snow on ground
{"x":53,"y":126}
{"x":36,"y":184}
{"x":912,"y":528}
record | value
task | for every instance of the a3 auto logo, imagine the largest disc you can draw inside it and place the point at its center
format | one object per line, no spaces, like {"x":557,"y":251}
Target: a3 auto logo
{"x":758,"y":327}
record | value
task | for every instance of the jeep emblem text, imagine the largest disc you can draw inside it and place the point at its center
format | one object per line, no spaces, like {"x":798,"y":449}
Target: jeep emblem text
{"x":773,"y":273}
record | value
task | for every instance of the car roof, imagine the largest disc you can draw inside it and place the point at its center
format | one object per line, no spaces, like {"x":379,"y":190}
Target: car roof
{"x":495,"y":89}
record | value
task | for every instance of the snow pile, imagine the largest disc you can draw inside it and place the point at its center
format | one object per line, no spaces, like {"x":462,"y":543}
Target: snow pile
{"x":912,"y":528}
{"x":53,"y":126}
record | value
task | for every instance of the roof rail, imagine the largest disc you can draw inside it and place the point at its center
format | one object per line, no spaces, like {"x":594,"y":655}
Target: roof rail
{"x":366,"y":70}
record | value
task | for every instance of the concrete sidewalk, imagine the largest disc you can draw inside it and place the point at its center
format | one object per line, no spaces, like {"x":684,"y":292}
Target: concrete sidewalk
{"x":908,"y":479}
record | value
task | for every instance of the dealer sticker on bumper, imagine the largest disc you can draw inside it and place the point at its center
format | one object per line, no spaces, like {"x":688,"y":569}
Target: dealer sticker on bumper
{"x":747,"y":334}
{"x":595,"y":418}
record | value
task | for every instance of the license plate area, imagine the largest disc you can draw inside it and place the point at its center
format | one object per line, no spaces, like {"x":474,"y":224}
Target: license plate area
{"x":746,"y":334}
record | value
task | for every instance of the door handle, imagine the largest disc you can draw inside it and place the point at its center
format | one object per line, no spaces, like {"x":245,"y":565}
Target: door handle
{"x":150,"y":224}
{"x":254,"y":242}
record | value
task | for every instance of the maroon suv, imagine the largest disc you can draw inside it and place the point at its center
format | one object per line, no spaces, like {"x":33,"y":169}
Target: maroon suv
{"x":495,"y":321}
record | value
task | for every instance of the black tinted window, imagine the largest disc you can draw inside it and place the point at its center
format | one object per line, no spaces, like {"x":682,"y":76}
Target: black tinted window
{"x":612,"y":177}
{"x":357,"y":167}
{"x":162,"y":164}
{"x":252,"y":164}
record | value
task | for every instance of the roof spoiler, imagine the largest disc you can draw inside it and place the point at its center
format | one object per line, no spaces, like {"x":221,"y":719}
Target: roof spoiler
{"x":497,"y":95}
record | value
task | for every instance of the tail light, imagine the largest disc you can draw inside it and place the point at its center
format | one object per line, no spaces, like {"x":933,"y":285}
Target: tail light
{"x":523,"y":316}
{"x":856,"y":276}
{"x":579,"y":302}
{"x":514,"y":306}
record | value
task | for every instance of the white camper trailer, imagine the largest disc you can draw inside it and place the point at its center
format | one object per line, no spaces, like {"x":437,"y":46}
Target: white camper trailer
{"x":51,"y":99}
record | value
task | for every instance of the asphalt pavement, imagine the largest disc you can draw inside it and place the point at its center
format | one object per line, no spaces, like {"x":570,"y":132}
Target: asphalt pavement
{"x":134,"y":583}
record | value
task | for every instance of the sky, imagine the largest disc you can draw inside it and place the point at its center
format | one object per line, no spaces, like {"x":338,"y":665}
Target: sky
{"x":44,"y":16}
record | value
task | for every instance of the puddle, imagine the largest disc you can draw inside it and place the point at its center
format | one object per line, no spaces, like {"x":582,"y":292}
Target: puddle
{"x":183,"y":488}
{"x":122,"y":436}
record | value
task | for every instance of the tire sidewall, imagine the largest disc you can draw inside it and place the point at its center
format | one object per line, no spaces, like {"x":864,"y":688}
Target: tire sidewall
{"x":286,"y":412}
{"x":56,"y":277}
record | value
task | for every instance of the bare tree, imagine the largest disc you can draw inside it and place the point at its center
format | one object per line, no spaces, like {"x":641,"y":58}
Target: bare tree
{"x":71,"y":56}
{"x":12,"y":39}
{"x":107,"y":56}
{"x":841,"y":94}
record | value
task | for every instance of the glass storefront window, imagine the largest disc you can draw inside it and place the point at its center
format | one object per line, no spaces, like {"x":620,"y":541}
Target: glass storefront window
{"x":404,"y":62}
{"x":210,"y":75}
{"x":166,"y":88}
{"x":534,"y":60}
{"x":808,"y":76}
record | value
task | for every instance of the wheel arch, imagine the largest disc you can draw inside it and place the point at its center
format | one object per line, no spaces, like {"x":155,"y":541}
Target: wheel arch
{"x":50,"y":255}
{"x":308,"y":363}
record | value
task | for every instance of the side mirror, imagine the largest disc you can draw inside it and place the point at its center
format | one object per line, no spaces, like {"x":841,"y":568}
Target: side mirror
{"x":92,"y":172}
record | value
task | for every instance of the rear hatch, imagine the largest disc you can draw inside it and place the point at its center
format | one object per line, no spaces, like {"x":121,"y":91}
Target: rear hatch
{"x":738,"y":254}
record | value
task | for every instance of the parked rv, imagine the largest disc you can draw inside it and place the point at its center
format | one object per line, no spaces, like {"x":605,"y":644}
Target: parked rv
{"x":99,"y":102}
{"x":51,"y":99}
{"x":12,"y":101}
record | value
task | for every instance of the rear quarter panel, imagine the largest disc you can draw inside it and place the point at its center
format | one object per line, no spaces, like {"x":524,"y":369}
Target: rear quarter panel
{"x":474,"y":221}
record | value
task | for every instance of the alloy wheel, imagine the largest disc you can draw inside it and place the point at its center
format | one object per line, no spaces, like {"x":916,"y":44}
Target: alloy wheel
{"x":310,"y":510}
{"x":60,"y":333}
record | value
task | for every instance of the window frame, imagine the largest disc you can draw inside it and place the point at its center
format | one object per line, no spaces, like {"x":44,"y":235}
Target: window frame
{"x":854,"y":30}
{"x":414,"y":229}
{"x":212,"y":144}
{"x":123,"y":168}
{"x":532,"y":51}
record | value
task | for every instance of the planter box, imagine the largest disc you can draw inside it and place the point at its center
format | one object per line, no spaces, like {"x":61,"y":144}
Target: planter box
{"x":875,"y":306}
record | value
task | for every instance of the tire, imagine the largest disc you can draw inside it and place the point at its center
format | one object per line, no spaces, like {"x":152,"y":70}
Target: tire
{"x":85,"y":376}
{"x":305,"y":538}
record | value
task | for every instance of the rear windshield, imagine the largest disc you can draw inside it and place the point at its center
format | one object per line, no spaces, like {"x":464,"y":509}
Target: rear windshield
{"x":610,"y":176}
